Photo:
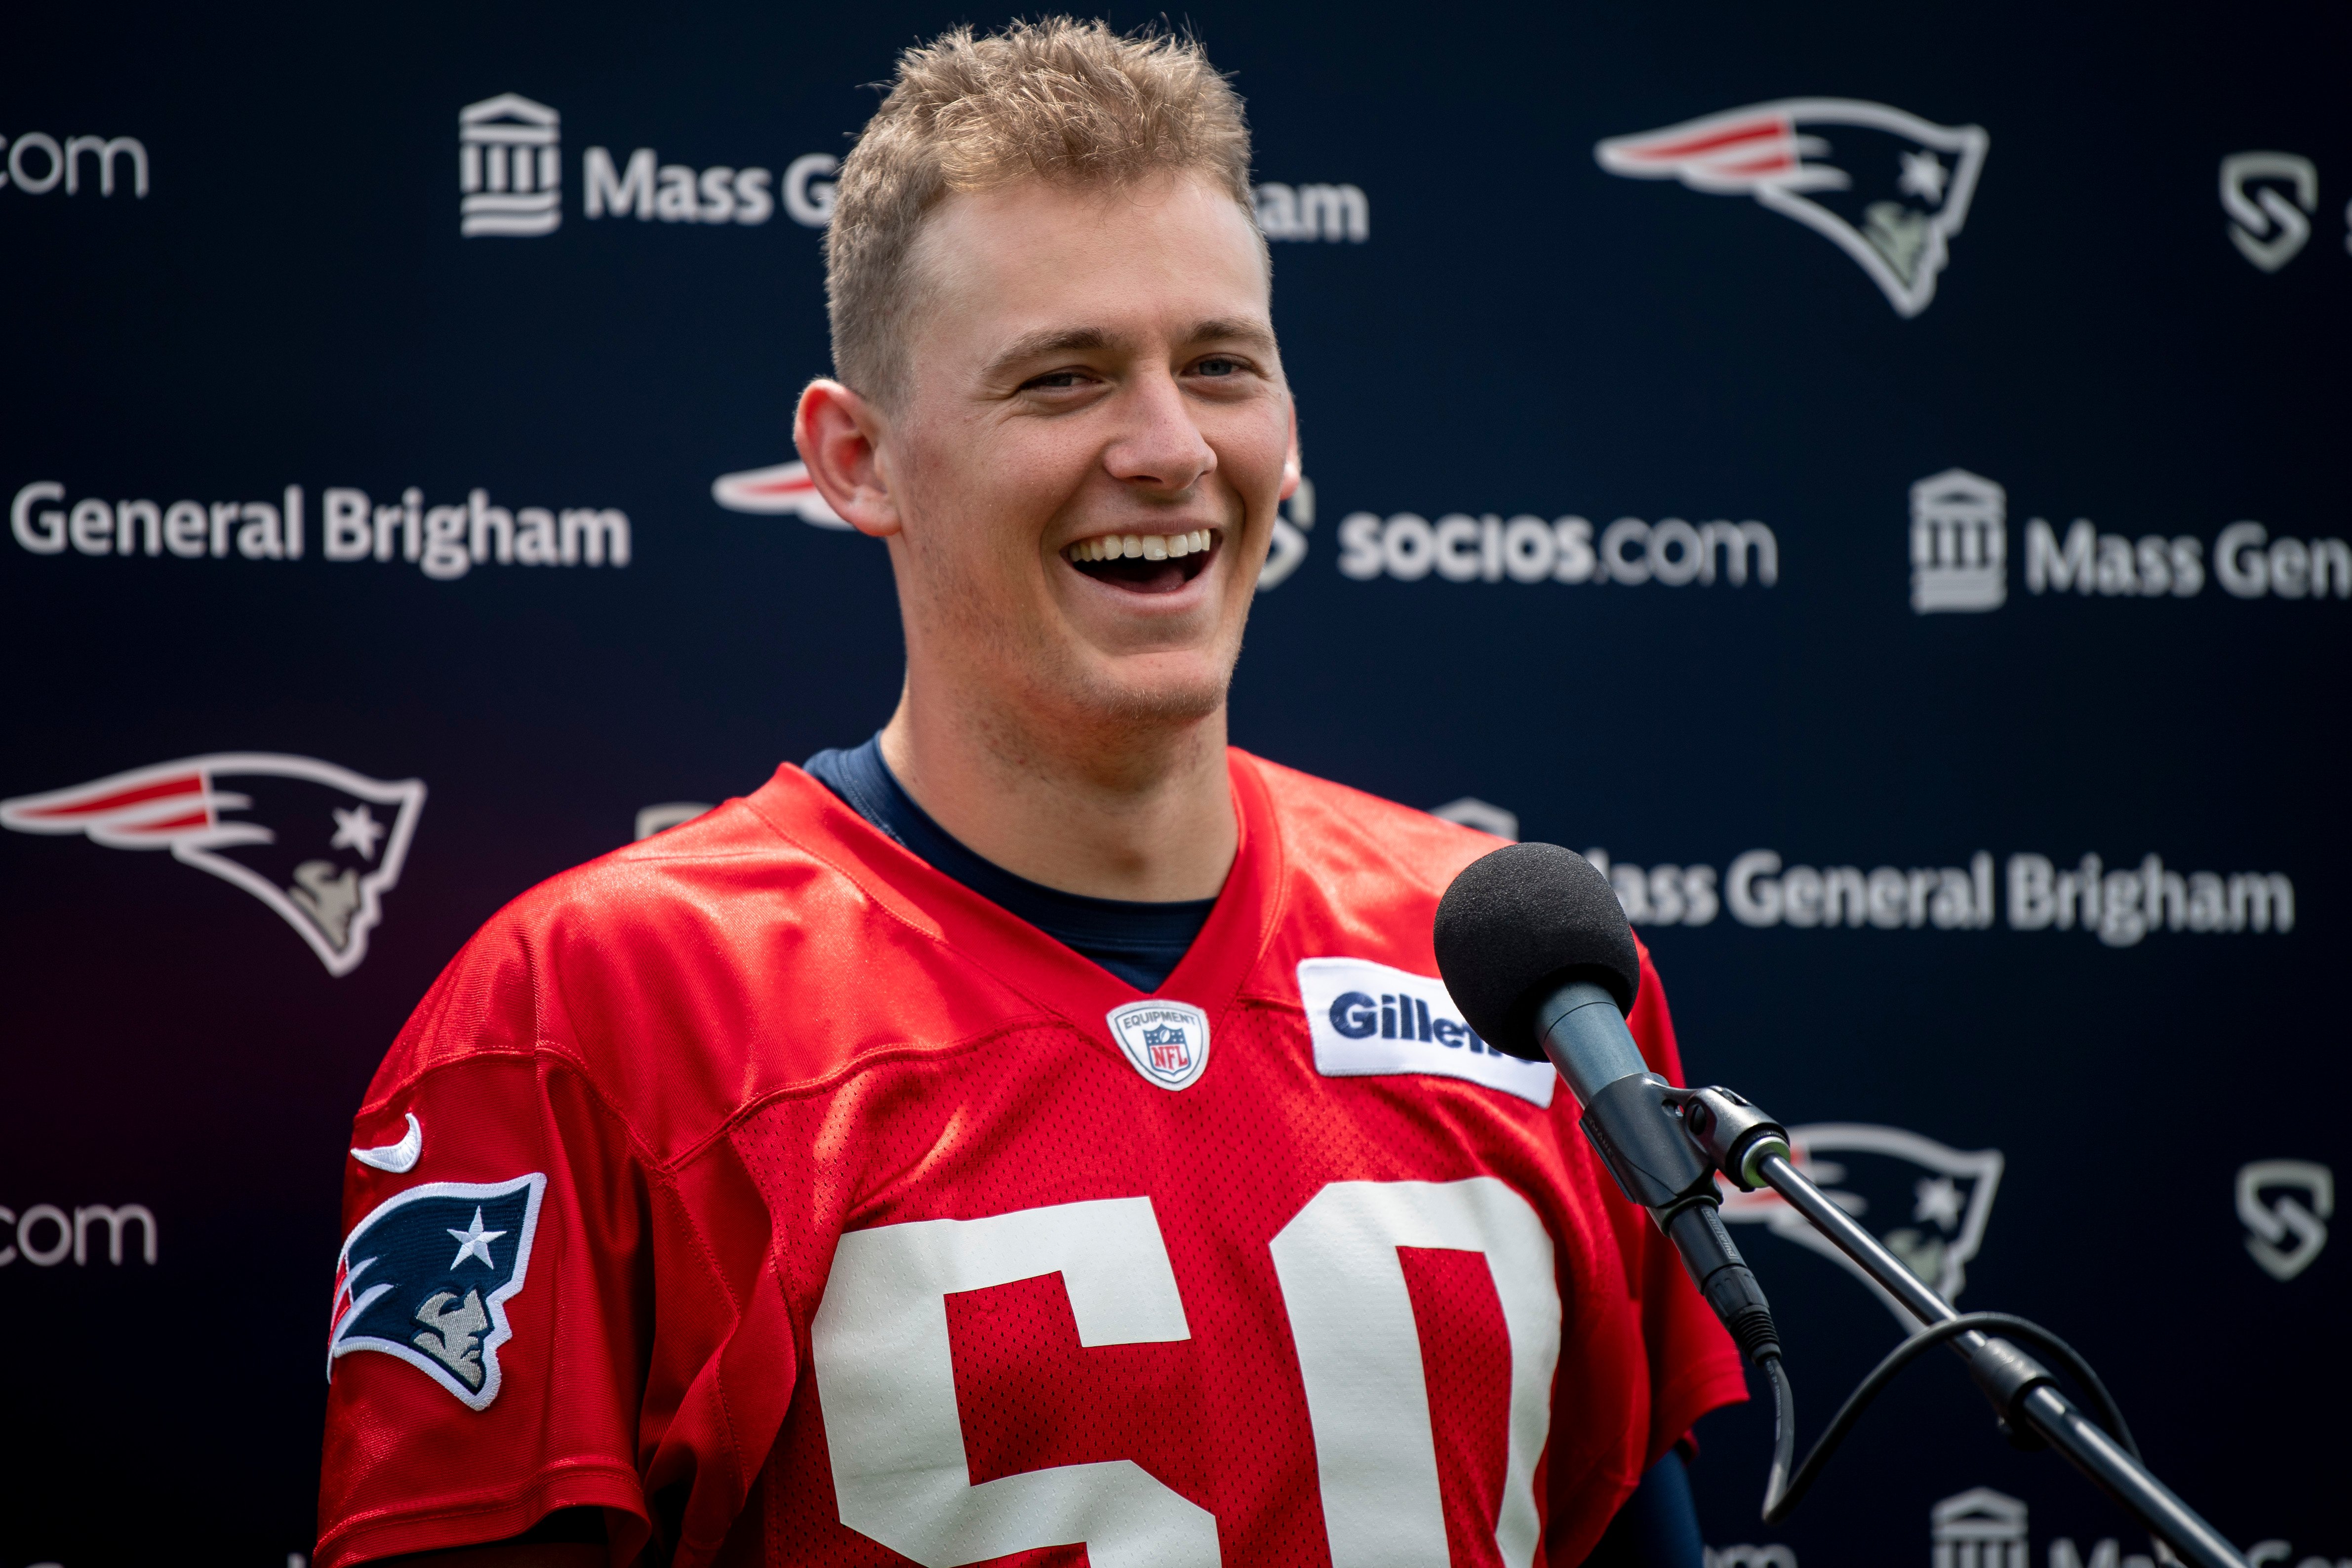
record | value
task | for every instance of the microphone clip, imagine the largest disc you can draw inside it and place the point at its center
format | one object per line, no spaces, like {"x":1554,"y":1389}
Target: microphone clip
{"x":1632,"y":1125}
{"x":1736,"y":1137}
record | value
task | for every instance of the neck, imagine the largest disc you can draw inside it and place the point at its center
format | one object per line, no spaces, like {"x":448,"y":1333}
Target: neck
{"x":1118,"y":810}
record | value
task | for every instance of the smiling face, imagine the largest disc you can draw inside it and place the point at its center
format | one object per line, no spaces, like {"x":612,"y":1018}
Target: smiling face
{"x":1082,"y":473}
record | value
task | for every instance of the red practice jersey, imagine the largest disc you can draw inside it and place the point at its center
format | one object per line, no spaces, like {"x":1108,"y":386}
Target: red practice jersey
{"x":791,"y":1202}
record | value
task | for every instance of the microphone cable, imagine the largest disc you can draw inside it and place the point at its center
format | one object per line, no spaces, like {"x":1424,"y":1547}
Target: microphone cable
{"x":1783,"y":1489}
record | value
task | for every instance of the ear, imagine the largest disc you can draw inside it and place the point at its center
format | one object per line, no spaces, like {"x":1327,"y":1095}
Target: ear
{"x":1291,"y":467}
{"x":840,"y":436}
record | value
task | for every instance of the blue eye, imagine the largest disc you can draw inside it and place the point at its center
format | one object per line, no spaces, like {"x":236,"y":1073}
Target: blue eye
{"x":1218,"y":367}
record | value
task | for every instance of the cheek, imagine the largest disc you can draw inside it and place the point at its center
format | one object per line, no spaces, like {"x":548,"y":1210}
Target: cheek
{"x":1252,"y":445}
{"x":981,"y":501}
{"x":1010,"y":482}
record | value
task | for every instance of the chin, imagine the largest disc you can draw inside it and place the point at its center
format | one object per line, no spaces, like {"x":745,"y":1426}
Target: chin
{"x":1151,"y":697}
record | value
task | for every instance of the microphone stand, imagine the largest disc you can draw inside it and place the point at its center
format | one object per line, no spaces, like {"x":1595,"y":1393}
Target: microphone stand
{"x":1753,"y":1150}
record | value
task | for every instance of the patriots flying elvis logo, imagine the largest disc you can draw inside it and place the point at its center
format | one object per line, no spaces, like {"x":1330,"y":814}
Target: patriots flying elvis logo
{"x":1928,"y":1203}
{"x":427,"y":1276}
{"x":319,"y":844}
{"x":1886,"y":187}
{"x":782,"y":489}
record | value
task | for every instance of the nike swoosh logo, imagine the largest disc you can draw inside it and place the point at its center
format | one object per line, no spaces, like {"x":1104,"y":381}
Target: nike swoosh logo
{"x":398,"y":1158}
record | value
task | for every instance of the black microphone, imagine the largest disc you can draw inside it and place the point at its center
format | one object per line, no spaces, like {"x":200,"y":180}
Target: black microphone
{"x":1535,"y":950}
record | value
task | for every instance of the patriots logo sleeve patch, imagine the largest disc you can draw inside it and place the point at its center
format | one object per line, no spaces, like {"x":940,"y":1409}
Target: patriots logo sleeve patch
{"x":426,"y":1278}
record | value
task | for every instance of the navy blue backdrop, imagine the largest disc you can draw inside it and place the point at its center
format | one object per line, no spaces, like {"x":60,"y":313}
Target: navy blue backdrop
{"x":1873,"y":474}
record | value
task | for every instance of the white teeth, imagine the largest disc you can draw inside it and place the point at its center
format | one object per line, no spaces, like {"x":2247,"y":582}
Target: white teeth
{"x":1142,"y":546}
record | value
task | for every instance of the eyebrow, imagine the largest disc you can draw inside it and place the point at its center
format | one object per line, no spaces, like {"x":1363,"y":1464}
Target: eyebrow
{"x":1048,"y":340}
{"x":1257,"y":335}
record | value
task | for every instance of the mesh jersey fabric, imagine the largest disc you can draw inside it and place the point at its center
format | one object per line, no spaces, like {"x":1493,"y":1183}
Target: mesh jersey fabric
{"x":862,"y":1242}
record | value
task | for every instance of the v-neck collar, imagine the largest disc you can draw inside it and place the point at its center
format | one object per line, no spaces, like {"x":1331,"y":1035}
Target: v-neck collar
{"x":1007,"y":948}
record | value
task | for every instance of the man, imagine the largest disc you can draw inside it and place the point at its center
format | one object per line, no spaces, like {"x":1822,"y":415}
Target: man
{"x":1039,"y":1128}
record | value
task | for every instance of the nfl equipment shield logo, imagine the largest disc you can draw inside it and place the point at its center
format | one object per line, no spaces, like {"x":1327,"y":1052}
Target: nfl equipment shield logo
{"x":1167,"y":1041}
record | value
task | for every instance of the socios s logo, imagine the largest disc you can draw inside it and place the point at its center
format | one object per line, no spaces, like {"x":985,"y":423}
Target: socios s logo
{"x":2285,"y":1206}
{"x":2268,"y":229}
{"x":1886,"y":187}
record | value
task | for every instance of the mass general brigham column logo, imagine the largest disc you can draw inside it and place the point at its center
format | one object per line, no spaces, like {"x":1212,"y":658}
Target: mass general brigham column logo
{"x":510,"y":168}
{"x":1959,"y":542}
{"x":1167,"y":1041}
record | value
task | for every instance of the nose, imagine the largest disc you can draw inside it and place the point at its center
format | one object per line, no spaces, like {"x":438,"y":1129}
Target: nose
{"x":1161,"y":448}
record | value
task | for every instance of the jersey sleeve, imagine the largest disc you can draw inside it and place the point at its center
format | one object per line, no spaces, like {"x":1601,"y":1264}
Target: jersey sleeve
{"x":1694,"y":1366}
{"x":528,"y":1313}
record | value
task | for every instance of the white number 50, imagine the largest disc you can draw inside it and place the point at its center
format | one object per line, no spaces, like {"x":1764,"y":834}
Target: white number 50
{"x":886,"y":1377}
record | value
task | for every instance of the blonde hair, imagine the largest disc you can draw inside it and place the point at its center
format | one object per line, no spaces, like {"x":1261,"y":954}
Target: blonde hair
{"x":1062,"y":100}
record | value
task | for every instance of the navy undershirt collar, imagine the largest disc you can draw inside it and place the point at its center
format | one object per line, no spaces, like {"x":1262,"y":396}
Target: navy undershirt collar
{"x":1139,"y":942}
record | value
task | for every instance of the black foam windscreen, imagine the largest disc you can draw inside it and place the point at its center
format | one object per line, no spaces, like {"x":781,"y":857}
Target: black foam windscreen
{"x":1522,"y":920}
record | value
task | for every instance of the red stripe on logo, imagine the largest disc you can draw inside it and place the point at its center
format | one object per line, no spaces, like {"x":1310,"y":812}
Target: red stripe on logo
{"x":170,"y":825}
{"x":1749,"y":131}
{"x":185,"y":783}
{"x":1772,"y":163}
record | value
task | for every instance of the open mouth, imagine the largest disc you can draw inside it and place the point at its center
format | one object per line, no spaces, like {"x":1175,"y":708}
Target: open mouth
{"x":1144,"y":563}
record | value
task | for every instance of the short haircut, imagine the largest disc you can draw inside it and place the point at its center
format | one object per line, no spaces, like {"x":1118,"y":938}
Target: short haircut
{"x":1066,"y":102}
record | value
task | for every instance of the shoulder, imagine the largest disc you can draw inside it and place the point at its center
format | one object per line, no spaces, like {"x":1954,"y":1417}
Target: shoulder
{"x":672,"y":892}
{"x":1327,"y":825}
{"x":1385,"y":850}
{"x":1362,"y":875}
{"x":676,"y":895}
{"x":691,"y":974}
